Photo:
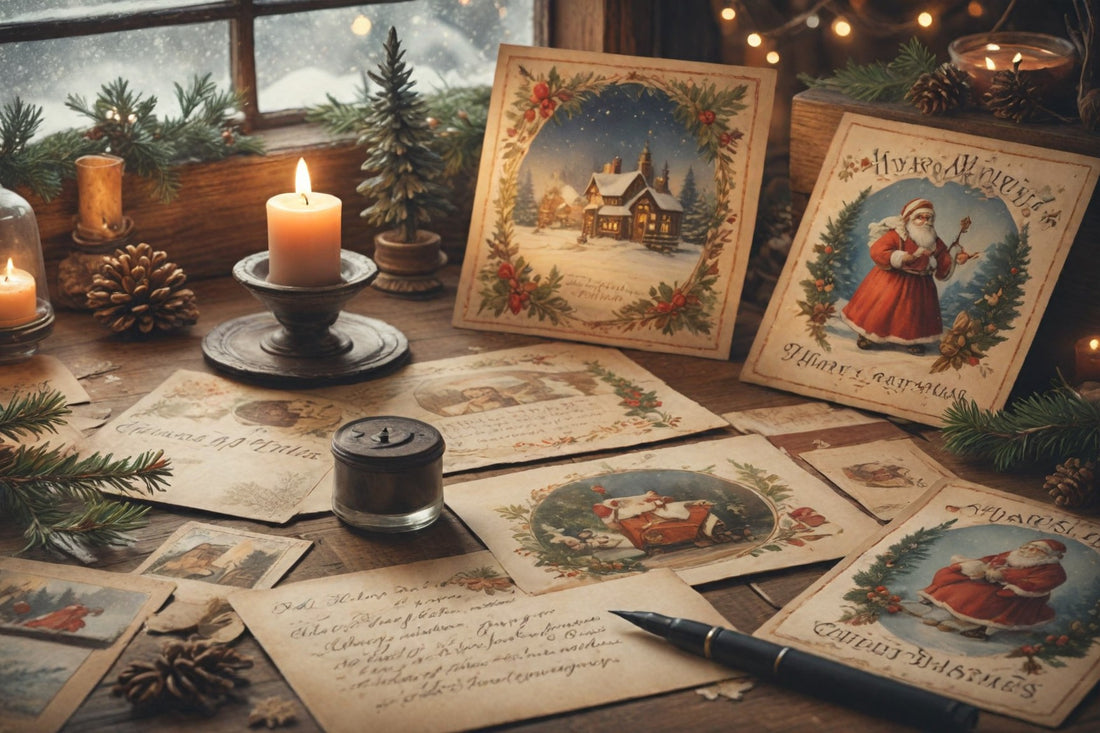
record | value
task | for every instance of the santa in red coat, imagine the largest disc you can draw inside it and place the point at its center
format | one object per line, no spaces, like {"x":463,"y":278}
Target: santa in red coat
{"x":1009,"y":591}
{"x":897,"y":302}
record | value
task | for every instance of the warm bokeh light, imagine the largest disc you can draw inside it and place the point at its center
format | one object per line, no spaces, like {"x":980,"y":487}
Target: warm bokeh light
{"x":361,"y":25}
{"x":772,"y":57}
{"x":842,"y":27}
{"x":728,"y":13}
{"x":813,"y":20}
{"x":974,"y":9}
{"x":1094,"y":344}
{"x":989,"y":64}
{"x":924,"y":20}
{"x":754,"y":40}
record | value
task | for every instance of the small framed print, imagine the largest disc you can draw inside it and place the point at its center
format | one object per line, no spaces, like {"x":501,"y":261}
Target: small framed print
{"x":920,"y":270}
{"x":616,"y":200}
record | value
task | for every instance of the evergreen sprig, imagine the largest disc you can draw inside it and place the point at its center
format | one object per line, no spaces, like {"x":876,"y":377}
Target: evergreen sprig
{"x":878,"y":81}
{"x":55,"y":495}
{"x":40,"y":166}
{"x":1049,"y":426}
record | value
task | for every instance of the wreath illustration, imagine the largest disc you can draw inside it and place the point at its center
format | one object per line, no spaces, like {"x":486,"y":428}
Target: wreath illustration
{"x":872,"y":596}
{"x":982,"y":311}
{"x":509,"y":284}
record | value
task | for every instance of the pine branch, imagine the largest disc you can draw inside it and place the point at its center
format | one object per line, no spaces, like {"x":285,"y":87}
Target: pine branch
{"x":1043,"y":427}
{"x":102,"y":522}
{"x":36,"y":467}
{"x":879,"y":81}
{"x":34,"y":414}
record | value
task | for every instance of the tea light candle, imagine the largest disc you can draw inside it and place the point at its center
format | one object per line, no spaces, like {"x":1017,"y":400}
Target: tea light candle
{"x":1087,"y":361}
{"x":1045,"y":61}
{"x":303,"y":235}
{"x":18,"y":304}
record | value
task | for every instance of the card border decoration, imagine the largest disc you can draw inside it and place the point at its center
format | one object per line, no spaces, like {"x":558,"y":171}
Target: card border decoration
{"x":1001,"y":268}
{"x":726,"y":110}
{"x":859,"y":612}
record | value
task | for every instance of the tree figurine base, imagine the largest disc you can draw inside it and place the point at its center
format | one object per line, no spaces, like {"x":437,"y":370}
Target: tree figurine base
{"x":407,"y":269}
{"x":305,"y":339}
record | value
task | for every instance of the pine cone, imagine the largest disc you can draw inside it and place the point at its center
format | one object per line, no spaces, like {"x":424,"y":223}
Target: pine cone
{"x":1011,"y":97}
{"x":138,"y":289}
{"x":940,"y":91}
{"x":197,"y":674}
{"x":1073,"y":484}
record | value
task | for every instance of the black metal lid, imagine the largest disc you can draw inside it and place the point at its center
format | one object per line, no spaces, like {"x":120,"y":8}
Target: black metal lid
{"x":387,"y":442}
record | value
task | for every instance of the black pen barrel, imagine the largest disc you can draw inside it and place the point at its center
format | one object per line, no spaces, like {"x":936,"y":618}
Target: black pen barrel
{"x":823,"y":678}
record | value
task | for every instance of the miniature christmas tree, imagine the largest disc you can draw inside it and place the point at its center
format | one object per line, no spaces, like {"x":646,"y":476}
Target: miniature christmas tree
{"x":406,"y":170}
{"x":54,"y":494}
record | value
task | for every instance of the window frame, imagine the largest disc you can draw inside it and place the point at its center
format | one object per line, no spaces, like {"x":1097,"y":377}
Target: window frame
{"x":241,"y":16}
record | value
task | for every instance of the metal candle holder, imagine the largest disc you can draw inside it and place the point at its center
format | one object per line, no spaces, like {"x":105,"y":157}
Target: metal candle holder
{"x":21,"y":342}
{"x":305,"y":339}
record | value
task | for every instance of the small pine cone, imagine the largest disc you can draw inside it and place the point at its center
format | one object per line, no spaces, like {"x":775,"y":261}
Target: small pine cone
{"x":188,"y":675}
{"x":1073,"y":484}
{"x":1011,"y":97}
{"x":138,"y":290}
{"x":940,"y":91}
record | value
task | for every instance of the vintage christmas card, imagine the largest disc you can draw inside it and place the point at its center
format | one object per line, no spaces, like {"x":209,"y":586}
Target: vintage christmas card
{"x":972,"y":593}
{"x":920,"y":270}
{"x":61,"y":629}
{"x":710,"y":510}
{"x":616,"y":200}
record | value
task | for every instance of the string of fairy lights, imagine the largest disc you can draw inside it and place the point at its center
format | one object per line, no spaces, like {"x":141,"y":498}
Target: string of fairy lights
{"x":844,"y":19}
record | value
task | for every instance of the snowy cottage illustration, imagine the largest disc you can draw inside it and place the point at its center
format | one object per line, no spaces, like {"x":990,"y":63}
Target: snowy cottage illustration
{"x":633,"y":205}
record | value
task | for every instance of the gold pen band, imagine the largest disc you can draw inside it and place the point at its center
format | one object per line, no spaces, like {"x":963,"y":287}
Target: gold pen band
{"x":707,"y":639}
{"x":778,"y":659}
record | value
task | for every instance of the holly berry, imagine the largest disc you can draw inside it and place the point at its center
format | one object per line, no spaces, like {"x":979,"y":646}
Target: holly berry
{"x":707,"y":116}
{"x":540,"y":91}
{"x":506,"y":271}
{"x":546,"y":107}
{"x":678,"y":299}
{"x":529,"y":115}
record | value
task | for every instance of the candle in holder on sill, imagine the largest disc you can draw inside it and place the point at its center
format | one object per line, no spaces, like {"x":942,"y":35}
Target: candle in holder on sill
{"x":1087,"y":362}
{"x":18,"y":304}
{"x":1046,"y":62}
{"x":99,"y":193}
{"x":303,"y":236}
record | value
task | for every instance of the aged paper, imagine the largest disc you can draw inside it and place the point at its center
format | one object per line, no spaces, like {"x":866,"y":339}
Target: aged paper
{"x":972,"y":593}
{"x":207,"y":562}
{"x":616,"y":199}
{"x":884,"y":475}
{"x":235,"y":449}
{"x":709,"y":510}
{"x":61,"y":629}
{"x":920,"y":270}
{"x":37,"y":373}
{"x":532,"y":402}
{"x":798,"y":418}
{"x":450,"y":644}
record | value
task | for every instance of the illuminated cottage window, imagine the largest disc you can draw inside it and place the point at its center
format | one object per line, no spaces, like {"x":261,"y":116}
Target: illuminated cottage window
{"x":633,"y":205}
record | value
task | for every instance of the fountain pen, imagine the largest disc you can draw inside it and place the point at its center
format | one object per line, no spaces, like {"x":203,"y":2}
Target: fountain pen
{"x":810,"y":674}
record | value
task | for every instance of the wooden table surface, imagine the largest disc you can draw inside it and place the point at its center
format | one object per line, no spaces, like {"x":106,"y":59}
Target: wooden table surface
{"x":116,"y":373}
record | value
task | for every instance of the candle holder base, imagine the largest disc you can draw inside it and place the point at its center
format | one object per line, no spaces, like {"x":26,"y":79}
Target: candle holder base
{"x":305,"y":339}
{"x":19,"y":343}
{"x":76,"y":272}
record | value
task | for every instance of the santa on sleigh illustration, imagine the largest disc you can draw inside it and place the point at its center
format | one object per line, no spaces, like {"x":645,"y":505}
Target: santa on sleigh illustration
{"x":653,"y":522}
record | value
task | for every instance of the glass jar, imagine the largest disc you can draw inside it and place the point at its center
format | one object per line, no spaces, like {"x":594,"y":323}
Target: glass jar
{"x":26,"y":314}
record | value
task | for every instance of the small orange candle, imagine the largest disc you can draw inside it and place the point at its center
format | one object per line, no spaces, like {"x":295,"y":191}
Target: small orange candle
{"x":1046,"y":62}
{"x":1087,"y":361}
{"x":303,"y":235}
{"x":18,"y":304}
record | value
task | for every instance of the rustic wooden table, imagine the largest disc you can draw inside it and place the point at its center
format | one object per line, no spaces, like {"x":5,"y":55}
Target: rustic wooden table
{"x":122,"y":371}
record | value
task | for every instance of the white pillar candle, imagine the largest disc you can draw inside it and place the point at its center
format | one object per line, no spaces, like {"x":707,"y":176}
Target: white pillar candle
{"x":17,"y":297}
{"x":303,"y":236}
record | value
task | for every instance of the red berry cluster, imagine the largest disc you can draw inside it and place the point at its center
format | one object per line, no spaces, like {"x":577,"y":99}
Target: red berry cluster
{"x":520,"y":292}
{"x":543,"y":102}
{"x":707,"y":116}
{"x":881,"y":596}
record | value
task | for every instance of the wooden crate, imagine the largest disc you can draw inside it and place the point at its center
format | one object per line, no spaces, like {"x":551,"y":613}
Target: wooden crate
{"x":1074,"y":308}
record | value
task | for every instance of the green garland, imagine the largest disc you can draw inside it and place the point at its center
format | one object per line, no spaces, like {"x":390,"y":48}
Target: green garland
{"x":124,"y":123}
{"x":879,"y":82}
{"x":54,"y":495}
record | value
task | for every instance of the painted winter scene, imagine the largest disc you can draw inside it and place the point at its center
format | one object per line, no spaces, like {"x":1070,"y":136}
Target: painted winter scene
{"x":920,"y":270}
{"x":618,"y":202}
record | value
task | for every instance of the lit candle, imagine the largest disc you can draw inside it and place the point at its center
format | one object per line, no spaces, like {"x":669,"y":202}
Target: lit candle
{"x":99,"y":193}
{"x":1046,"y":62}
{"x":303,"y":235}
{"x":1088,"y":359}
{"x":17,"y":297}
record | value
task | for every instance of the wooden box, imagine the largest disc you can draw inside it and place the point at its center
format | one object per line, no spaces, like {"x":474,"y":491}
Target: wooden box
{"x":1074,"y":308}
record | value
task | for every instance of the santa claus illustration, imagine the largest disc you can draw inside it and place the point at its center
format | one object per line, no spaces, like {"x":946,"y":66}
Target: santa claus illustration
{"x":897,"y":302}
{"x":1009,"y":591}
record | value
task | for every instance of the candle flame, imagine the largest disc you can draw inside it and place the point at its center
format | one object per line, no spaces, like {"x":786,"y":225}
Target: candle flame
{"x":301,"y":180}
{"x":1094,"y":344}
{"x":1017,"y":58}
{"x":989,"y":64}
{"x":8,"y":270}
